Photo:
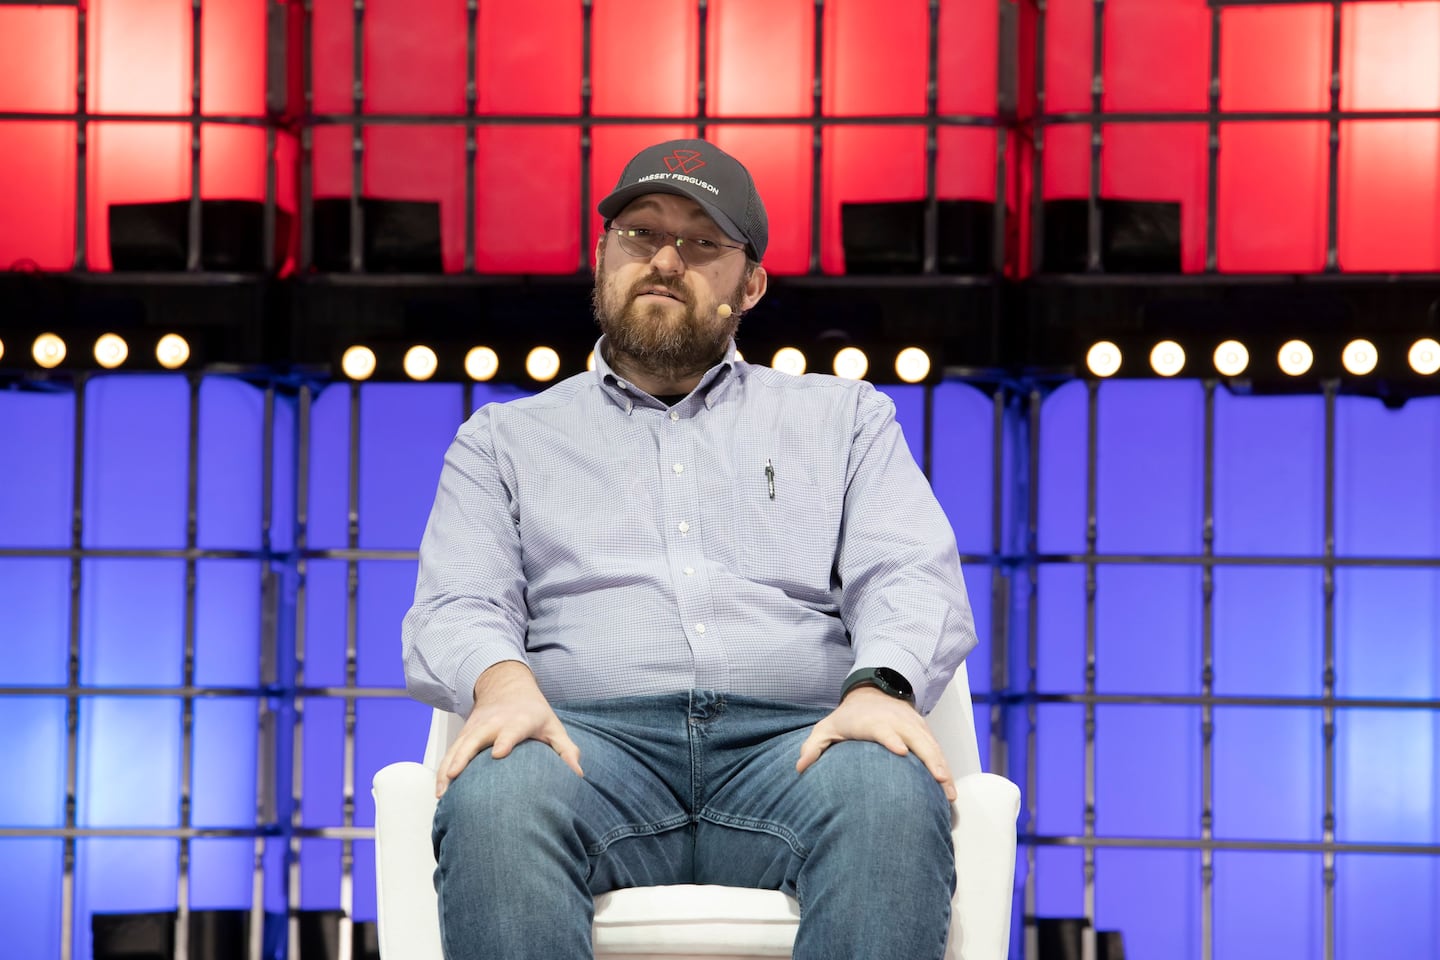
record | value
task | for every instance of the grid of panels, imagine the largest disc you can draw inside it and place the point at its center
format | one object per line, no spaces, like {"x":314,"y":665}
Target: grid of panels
{"x":1219,"y":692}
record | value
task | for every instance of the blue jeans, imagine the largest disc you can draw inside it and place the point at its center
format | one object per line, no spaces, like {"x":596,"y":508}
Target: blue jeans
{"x":694,"y":787}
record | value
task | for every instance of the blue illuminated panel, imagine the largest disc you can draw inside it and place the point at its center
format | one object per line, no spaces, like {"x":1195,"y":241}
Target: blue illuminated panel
{"x":37,"y":456}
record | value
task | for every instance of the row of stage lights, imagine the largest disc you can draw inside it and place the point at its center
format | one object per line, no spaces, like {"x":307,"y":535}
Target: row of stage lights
{"x":111,"y":351}
{"x":542,"y":364}
{"x":1232,"y":358}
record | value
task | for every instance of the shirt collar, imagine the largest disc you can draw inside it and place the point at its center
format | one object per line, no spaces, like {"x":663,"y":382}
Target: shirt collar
{"x":627,"y":395}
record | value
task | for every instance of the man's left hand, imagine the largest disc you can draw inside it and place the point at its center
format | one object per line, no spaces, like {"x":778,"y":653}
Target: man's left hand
{"x":869,"y":714}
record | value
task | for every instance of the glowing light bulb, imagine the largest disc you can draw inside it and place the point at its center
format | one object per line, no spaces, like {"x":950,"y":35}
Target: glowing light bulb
{"x":358,"y":363}
{"x":111,"y":350}
{"x":1360,"y":357}
{"x":1296,"y":357}
{"x":2,"y":349}
{"x":590,"y":361}
{"x":481,"y":363}
{"x":789,"y":360}
{"x":542,"y":364}
{"x":912,"y":365}
{"x":1103,"y":359}
{"x":49,"y":350}
{"x":172,"y":351}
{"x":420,"y":362}
{"x":1167,"y":358}
{"x":851,"y":363}
{"x":1231,"y":358}
{"x":1425,"y":357}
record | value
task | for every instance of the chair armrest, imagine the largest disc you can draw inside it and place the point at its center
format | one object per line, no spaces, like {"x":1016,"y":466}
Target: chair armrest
{"x":986,"y":807}
{"x":409,"y":912}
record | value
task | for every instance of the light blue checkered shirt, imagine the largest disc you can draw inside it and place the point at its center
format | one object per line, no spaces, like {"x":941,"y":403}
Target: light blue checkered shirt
{"x":620,"y":547}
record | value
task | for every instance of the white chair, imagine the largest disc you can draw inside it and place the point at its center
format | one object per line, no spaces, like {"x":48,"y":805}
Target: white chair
{"x":691,"y":921}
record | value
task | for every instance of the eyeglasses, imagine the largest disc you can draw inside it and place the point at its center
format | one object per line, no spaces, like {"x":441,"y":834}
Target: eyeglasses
{"x":643,"y":243}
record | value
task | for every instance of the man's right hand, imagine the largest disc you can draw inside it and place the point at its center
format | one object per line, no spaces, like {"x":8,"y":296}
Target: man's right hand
{"x":509,"y":709}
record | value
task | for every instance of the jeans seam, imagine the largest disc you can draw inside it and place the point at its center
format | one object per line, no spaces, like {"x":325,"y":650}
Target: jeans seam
{"x":635,"y":830}
{"x":758,"y":826}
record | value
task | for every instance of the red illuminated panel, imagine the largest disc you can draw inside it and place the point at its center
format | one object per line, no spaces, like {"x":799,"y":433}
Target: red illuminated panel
{"x":422,"y":163}
{"x":330,"y":162}
{"x":1157,"y":55}
{"x":969,"y":50}
{"x":527,"y":199}
{"x":779,"y":158}
{"x":232,"y":162}
{"x":1275,"y":58}
{"x":139,"y":56}
{"x":37,"y":203}
{"x":875,"y":57}
{"x":1390,"y":56}
{"x":1065,"y":170}
{"x":415,"y":56}
{"x":1069,"y":27}
{"x":866,"y":164}
{"x":761,"y":58}
{"x":37,"y":48}
{"x":130,"y":163}
{"x":643,"y":58}
{"x":1389,"y":195}
{"x":965,"y":163}
{"x":232,"y":58}
{"x":1270,"y":197}
{"x":1160,"y":162}
{"x":528,"y":57}
{"x":611,"y":149}
{"x":331,"y":49}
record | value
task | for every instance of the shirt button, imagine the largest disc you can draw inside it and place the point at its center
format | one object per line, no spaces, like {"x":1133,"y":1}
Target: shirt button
{"x":689,"y":571}
{"x":699,"y":628}
{"x":674,"y":415}
{"x":678,"y":468}
{"x":683,"y":527}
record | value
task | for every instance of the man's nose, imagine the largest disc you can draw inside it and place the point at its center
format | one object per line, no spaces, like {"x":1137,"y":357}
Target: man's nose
{"x":667,"y":260}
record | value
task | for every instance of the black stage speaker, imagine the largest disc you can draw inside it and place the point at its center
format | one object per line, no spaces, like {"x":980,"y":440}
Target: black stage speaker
{"x":396,"y":236}
{"x":133,"y":936}
{"x":889,"y":237}
{"x":156,"y":236}
{"x":1136,"y":236}
{"x":1059,"y":938}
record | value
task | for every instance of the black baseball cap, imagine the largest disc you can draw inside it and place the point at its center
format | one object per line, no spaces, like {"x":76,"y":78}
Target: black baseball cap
{"x":706,"y":174}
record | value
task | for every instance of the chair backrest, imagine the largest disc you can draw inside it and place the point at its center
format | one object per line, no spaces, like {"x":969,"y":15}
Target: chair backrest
{"x":952,"y":721}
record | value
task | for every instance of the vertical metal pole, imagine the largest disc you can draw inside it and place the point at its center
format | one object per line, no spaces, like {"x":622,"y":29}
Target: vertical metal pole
{"x":472,"y":17}
{"x":352,"y":587}
{"x":1006,"y":97}
{"x":1207,"y":689}
{"x":999,"y":586}
{"x":266,"y":741}
{"x":297,"y":779}
{"x":702,"y":61}
{"x":587,"y":30}
{"x":307,"y":140}
{"x":1331,"y":388}
{"x":72,"y":700}
{"x":192,"y":252}
{"x":1092,"y":473}
{"x":1032,"y":669}
{"x":927,"y":446}
{"x":1097,"y":139}
{"x":1332,"y":175}
{"x":187,"y":703}
{"x":932,"y":139}
{"x":82,"y":139}
{"x":357,"y":138}
{"x":1212,"y":156}
{"x":817,"y":138}
{"x":1037,"y":160}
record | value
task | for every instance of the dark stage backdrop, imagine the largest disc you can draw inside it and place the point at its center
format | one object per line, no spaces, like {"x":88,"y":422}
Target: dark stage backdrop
{"x":298,"y":566}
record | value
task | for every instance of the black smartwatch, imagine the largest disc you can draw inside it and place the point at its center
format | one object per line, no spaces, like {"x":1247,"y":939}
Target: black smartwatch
{"x":883,"y":679}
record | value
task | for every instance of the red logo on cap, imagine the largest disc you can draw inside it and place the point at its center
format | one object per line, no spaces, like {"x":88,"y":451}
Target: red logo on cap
{"x":686,"y":161}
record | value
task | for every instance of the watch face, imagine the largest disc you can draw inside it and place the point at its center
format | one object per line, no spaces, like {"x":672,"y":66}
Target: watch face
{"x":897,"y":683}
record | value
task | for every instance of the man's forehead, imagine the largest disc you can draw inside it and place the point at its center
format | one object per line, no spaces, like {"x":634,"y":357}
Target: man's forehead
{"x":668,"y":203}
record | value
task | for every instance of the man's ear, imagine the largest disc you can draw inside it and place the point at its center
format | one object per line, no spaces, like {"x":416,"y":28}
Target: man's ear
{"x":755,"y":286}
{"x":599,"y":252}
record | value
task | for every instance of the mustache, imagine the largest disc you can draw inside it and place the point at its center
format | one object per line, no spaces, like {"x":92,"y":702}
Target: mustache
{"x":678,"y":287}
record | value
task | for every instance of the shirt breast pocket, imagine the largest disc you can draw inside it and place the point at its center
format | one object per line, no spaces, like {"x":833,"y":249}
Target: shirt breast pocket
{"x":788,"y":532}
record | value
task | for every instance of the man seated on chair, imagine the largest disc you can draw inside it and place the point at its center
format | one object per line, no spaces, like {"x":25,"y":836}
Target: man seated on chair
{"x":694,"y":610}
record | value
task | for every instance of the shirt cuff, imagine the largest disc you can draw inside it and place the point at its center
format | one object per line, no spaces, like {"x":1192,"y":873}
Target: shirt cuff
{"x":903,"y":662}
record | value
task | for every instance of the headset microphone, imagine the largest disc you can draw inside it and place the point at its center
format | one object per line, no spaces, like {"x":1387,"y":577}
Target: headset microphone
{"x":724,"y":311}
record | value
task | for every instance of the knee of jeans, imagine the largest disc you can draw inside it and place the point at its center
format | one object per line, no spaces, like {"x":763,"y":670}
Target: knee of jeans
{"x":876,"y":793}
{"x":530,"y":789}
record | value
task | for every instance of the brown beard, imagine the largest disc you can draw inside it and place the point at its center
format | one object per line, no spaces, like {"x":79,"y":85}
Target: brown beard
{"x":665,"y":346}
